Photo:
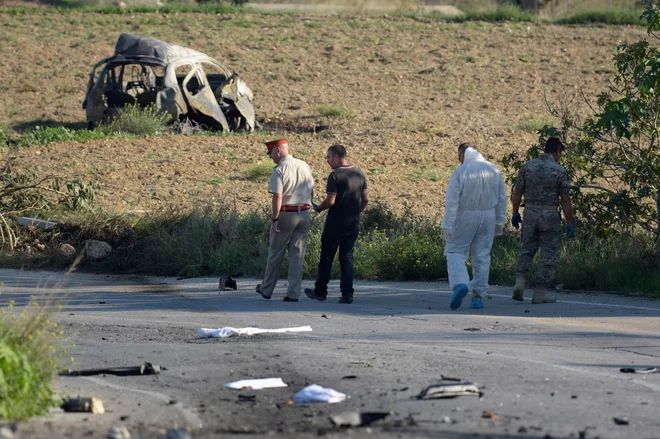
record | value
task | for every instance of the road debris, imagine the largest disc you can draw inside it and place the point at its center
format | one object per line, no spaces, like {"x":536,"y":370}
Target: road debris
{"x":472,"y":329}
{"x":316,"y":393}
{"x":119,"y":433}
{"x":640,"y":370}
{"x":258,"y":384}
{"x":88,"y":405}
{"x":349,"y":377}
{"x":247,"y":398}
{"x":357,"y":419}
{"x":449,"y":391}
{"x":621,"y":421}
{"x":230,"y":332}
{"x":145,"y":369}
{"x":226,"y":282}
{"x":177,"y":433}
{"x":489,"y":415}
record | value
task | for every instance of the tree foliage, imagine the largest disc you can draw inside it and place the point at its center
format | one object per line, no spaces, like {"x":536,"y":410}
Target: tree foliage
{"x":613,"y":156}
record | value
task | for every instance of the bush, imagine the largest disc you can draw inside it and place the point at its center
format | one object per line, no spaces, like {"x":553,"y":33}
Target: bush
{"x":330,"y":110}
{"x":133,"y":119}
{"x":29,"y":356}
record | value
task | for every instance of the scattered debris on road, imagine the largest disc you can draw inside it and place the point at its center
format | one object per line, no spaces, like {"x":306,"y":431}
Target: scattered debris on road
{"x":145,"y":369}
{"x":258,"y":384}
{"x":88,"y":405}
{"x":177,"y":433}
{"x":316,"y":393}
{"x":621,"y":421}
{"x":357,"y":419}
{"x":449,"y":391}
{"x":349,"y":377}
{"x":640,"y":370}
{"x":226,"y":282}
{"x":230,"y":332}
{"x":472,"y":329}
{"x":247,"y":398}
{"x":489,"y":415}
{"x":119,"y":433}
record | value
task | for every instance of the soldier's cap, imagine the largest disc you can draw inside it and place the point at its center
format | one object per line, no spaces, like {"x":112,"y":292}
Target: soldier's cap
{"x":273,"y":143}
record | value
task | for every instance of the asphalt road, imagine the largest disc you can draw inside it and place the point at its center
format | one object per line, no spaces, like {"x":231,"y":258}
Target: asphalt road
{"x":546,"y":371}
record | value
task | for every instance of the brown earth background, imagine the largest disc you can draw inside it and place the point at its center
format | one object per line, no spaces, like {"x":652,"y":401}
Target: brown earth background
{"x":412,"y":88}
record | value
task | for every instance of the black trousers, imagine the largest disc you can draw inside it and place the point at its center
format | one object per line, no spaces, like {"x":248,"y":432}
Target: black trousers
{"x":330,"y":243}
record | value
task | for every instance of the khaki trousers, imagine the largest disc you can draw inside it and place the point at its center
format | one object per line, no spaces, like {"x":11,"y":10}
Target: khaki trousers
{"x":294,"y":227}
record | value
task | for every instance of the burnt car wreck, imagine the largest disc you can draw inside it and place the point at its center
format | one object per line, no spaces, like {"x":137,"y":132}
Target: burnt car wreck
{"x":183,"y":82}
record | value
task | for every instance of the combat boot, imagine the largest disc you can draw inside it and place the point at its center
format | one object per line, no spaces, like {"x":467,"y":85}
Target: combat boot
{"x":519,"y":289}
{"x":542,"y":295}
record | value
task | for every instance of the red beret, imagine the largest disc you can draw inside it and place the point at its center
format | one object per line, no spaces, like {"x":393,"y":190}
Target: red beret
{"x":273,"y":143}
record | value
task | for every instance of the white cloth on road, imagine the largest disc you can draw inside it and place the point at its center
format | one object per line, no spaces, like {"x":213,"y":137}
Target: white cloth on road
{"x":258,"y":384}
{"x":476,"y":202}
{"x":229,"y":331}
{"x":316,"y":393}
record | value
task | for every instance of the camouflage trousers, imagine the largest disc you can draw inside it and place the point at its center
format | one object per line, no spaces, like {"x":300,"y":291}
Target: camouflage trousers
{"x":540,"y":228}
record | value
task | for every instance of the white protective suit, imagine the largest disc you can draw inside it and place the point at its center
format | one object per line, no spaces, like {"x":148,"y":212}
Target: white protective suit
{"x":475,"y":206}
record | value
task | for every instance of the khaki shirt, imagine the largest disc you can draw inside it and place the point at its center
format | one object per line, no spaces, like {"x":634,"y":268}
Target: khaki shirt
{"x":293,"y":179}
{"x":542,"y":180}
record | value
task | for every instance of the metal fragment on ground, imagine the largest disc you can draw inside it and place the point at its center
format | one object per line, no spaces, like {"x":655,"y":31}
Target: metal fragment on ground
{"x":357,"y":419}
{"x":640,"y":370}
{"x":145,"y":369}
{"x":449,"y":391}
{"x":86,"y":405}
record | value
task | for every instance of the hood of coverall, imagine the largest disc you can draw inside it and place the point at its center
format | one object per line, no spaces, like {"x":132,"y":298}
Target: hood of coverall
{"x":472,"y":155}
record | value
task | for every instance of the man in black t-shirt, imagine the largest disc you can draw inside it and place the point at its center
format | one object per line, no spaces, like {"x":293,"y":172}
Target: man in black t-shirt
{"x":346,"y":198}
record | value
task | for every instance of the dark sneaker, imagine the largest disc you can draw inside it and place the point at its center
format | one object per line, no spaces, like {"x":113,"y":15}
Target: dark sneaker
{"x":311,"y":293}
{"x":344,"y":299}
{"x":288,"y":299}
{"x":258,"y":289}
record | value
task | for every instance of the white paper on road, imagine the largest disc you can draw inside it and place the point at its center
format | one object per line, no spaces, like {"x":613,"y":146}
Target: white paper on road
{"x":229,"y":332}
{"x":264,"y":383}
{"x":316,"y":393}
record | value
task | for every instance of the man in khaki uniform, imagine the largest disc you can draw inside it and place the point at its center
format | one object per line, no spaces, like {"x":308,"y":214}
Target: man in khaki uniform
{"x":291,"y":185}
{"x":544,"y":183}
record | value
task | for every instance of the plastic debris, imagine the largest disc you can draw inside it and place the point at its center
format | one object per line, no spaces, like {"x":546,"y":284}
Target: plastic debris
{"x":119,"y":433}
{"x":89,"y":405}
{"x":640,"y":370}
{"x":357,"y":419}
{"x":489,"y":415}
{"x":258,"y":384}
{"x":230,"y":332}
{"x":621,"y":421}
{"x":449,"y":391}
{"x":316,"y":393}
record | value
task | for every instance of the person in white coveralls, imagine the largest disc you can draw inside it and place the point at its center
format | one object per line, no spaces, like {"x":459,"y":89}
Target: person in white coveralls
{"x":475,"y":211}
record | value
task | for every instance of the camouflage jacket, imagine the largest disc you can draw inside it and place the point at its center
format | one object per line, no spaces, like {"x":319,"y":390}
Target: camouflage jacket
{"x":542,"y":180}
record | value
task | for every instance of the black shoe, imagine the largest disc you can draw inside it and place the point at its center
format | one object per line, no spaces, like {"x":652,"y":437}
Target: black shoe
{"x":312,"y":294}
{"x":288,"y":299}
{"x":258,"y":289}
{"x":344,"y":299}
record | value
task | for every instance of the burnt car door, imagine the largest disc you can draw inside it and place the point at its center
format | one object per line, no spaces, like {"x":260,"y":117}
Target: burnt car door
{"x":201,"y":100}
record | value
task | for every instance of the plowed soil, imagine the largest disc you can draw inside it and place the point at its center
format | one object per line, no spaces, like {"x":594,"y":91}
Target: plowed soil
{"x":414,"y":89}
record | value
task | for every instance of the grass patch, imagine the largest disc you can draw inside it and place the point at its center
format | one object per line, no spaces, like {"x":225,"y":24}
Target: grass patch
{"x":331,"y":110}
{"x":503,"y":13}
{"x":132,"y":119}
{"x":29,"y":357}
{"x":535,"y":122}
{"x":604,"y":16}
{"x":259,"y":172}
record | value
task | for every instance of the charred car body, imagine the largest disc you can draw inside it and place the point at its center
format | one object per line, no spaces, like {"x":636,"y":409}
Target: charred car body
{"x":183,"y":82}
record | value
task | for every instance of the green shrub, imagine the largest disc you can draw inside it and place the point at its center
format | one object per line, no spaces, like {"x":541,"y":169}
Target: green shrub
{"x":330,"y":110}
{"x":503,"y":13}
{"x":45,"y":135}
{"x":4,"y":138}
{"x":133,"y":119}
{"x":29,"y":357}
{"x":259,"y":172}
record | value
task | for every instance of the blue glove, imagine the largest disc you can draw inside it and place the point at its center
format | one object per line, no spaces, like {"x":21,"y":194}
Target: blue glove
{"x":516,"y":219}
{"x":570,"y":231}
{"x":315,"y":206}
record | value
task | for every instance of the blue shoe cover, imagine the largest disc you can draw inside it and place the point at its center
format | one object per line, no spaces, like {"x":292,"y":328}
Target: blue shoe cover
{"x":476,"y":304}
{"x":460,"y":291}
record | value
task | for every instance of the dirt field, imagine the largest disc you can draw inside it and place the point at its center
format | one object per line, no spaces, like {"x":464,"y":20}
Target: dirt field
{"x":415,"y":89}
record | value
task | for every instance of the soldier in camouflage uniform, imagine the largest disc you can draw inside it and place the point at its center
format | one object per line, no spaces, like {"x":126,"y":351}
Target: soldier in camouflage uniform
{"x":543,"y":182}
